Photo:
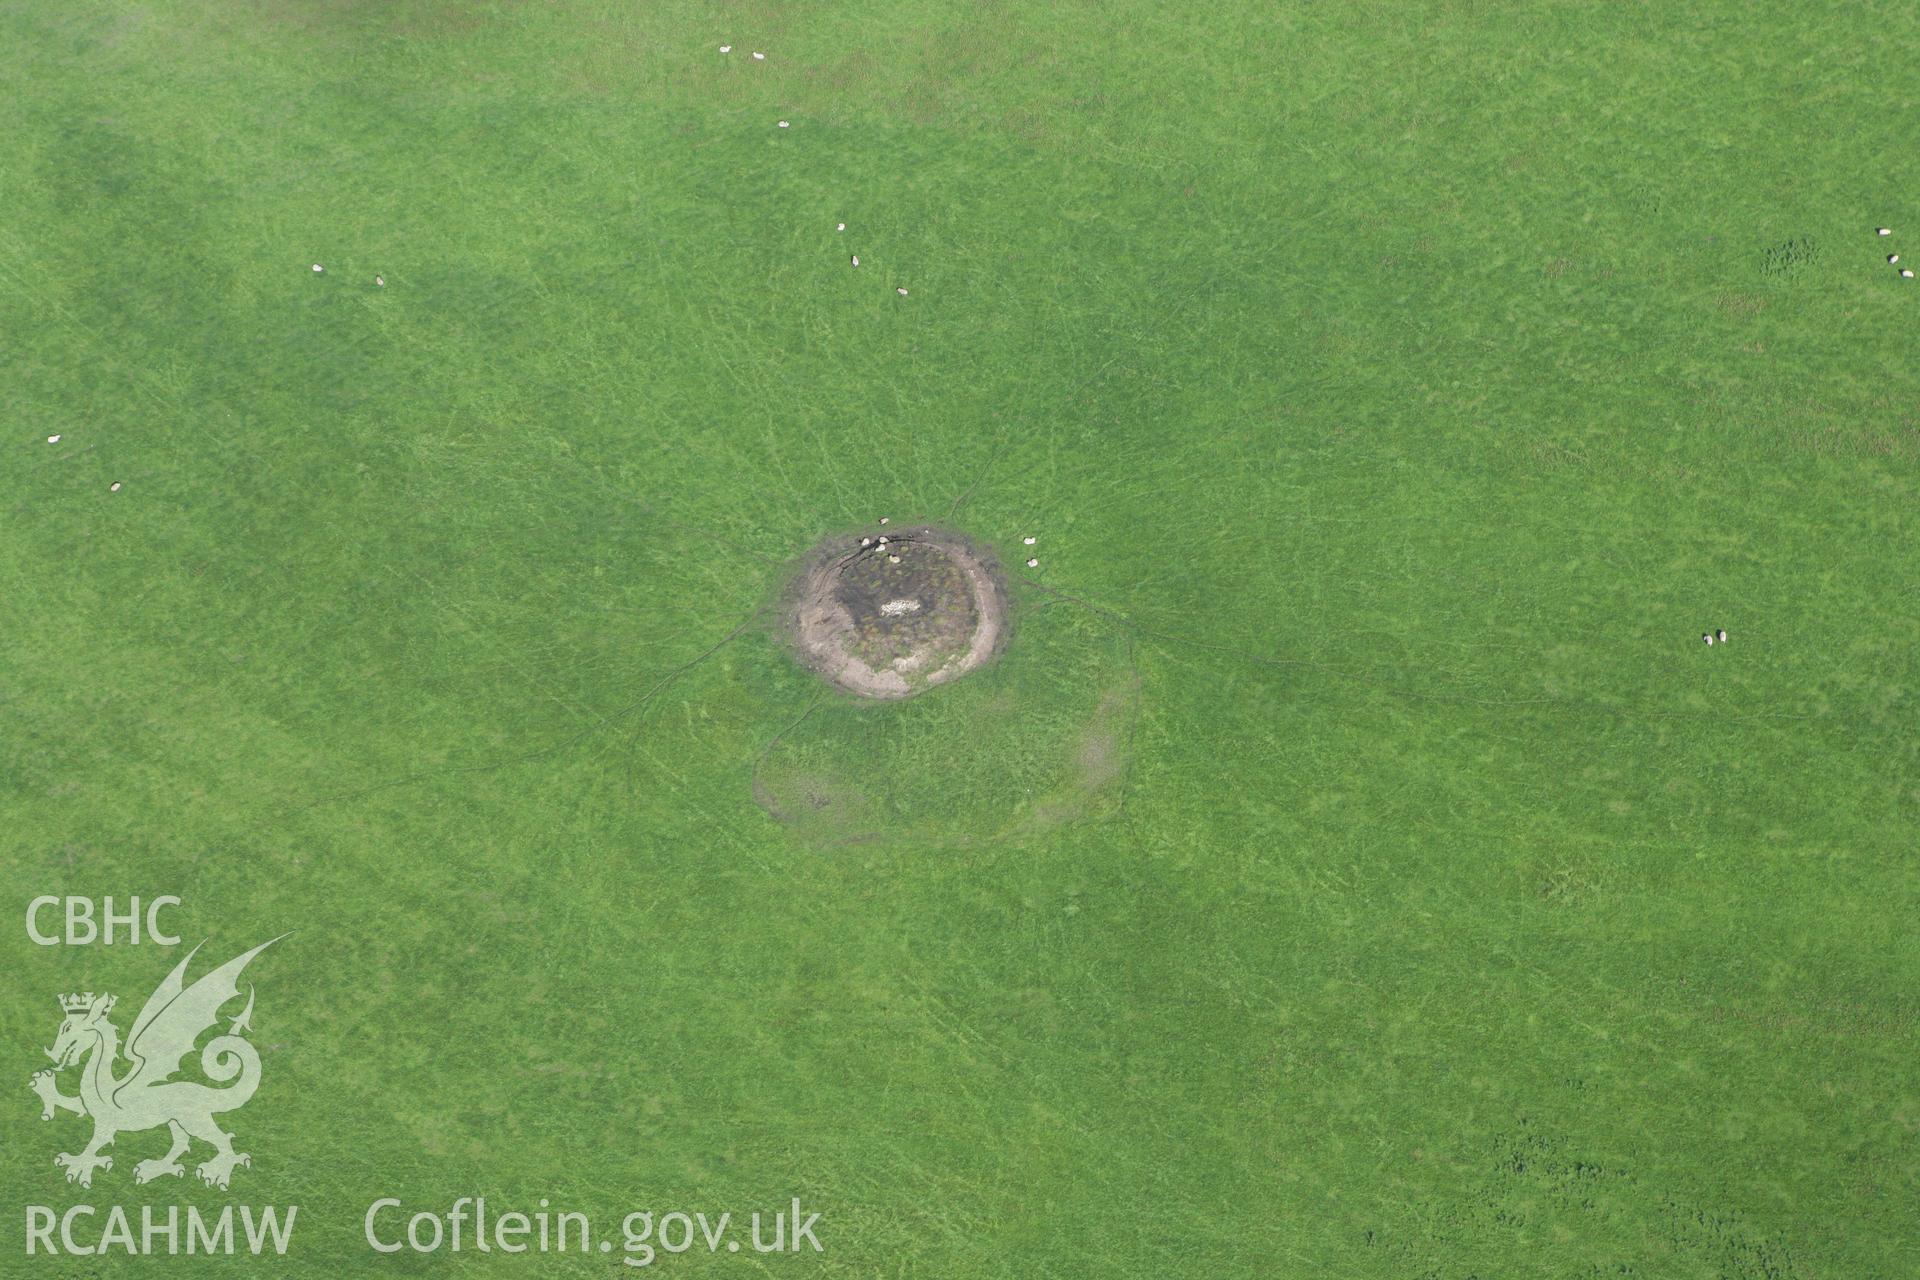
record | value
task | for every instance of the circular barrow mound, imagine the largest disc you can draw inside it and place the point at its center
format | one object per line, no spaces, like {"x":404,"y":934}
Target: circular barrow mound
{"x":889,"y":620}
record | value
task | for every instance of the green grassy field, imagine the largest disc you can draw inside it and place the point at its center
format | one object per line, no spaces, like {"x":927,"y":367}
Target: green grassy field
{"x":1355,"y":866}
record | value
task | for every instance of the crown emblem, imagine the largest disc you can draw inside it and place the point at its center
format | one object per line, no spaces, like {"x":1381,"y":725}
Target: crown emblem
{"x":79,"y":1002}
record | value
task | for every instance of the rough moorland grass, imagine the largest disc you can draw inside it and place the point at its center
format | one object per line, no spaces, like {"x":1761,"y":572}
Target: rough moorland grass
{"x":1397,"y":392}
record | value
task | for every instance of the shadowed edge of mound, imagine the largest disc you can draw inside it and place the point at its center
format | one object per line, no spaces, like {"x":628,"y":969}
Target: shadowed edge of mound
{"x":817,"y":624}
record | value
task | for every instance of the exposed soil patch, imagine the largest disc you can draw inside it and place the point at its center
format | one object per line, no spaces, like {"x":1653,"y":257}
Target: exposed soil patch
{"x":892,"y":620}
{"x":1099,"y":764}
{"x":822,"y":806}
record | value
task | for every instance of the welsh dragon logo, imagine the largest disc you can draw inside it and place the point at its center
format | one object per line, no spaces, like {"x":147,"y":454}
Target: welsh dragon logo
{"x":146,"y":1095}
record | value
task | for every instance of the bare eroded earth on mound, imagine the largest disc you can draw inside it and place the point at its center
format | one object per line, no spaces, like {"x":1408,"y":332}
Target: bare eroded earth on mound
{"x":893,"y":620}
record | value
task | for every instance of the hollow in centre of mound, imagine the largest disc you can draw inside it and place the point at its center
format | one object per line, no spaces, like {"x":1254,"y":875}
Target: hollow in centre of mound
{"x":889,"y":621}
